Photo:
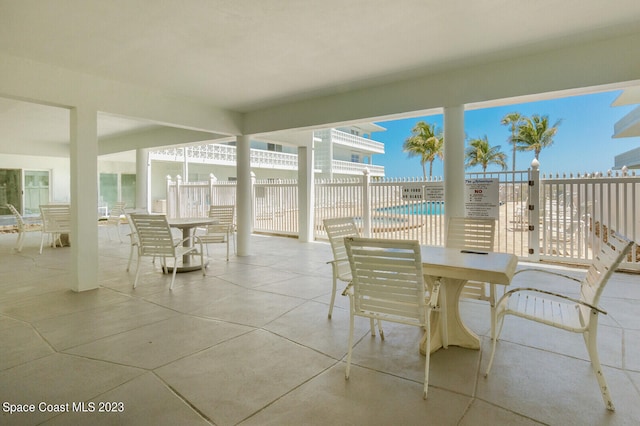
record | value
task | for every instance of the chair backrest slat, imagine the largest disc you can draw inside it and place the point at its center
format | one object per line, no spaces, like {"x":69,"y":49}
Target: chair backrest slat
{"x":337,"y":229}
{"x":471,"y":233}
{"x":225,"y":215}
{"x":604,"y":264}
{"x":387,"y":278}
{"x":154,"y":235}
{"x":56,"y":218}
{"x":116,"y":212}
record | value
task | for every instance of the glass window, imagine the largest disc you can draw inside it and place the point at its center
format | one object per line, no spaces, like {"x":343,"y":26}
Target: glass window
{"x":36,"y":190}
{"x":10,"y":189}
{"x":128,"y":190}
{"x":108,"y":189}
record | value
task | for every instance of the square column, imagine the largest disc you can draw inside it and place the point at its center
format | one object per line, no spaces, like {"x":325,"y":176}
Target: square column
{"x":84,"y":198}
{"x":244,"y":196}
{"x":143,"y":175}
{"x":305,"y":193}
{"x":454,"y":161}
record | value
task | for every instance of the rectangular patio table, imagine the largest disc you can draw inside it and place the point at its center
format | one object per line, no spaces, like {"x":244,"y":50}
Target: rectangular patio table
{"x":454,"y":267}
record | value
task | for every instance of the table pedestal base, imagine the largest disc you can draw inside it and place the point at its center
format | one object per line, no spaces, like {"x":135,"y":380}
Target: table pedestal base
{"x":447,"y":327}
{"x":187,"y":267}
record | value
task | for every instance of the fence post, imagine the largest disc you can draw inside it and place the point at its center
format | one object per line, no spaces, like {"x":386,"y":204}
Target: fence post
{"x":212,"y":180}
{"x":366,"y":203}
{"x":170,"y":198}
{"x":534,"y":211}
{"x":178,"y":196}
{"x":253,"y":201}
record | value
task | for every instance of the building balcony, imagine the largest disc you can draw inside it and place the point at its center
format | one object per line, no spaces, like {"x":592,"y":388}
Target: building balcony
{"x":628,"y":126}
{"x":226,"y":155}
{"x":356,"y":142}
{"x":630,"y":158}
{"x":350,"y":168}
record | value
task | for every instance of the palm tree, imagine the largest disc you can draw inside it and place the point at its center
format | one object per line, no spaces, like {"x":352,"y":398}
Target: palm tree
{"x":534,"y":134}
{"x":426,"y":143}
{"x":513,"y":119}
{"x":481,"y":153}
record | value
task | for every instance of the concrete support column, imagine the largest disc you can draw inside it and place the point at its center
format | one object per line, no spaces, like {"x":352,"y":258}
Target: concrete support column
{"x":454,"y":161}
{"x":244,"y":198}
{"x":306,"y":193}
{"x":84,"y":198}
{"x":143,"y":178}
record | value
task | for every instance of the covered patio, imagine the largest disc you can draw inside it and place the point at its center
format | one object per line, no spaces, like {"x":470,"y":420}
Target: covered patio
{"x":250,"y":343}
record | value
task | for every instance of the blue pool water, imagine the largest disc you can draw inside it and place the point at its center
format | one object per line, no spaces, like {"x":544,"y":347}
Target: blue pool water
{"x":424,"y":208}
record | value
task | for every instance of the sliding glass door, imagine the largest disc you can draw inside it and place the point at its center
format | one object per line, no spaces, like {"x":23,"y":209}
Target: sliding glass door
{"x":10,"y":190}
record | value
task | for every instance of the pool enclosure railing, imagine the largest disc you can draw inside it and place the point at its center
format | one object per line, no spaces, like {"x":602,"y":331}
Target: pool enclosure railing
{"x":565,"y":214}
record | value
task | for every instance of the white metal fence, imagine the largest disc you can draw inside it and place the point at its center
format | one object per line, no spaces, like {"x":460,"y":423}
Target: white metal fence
{"x":275,"y":207}
{"x":565,"y":214}
{"x":576,"y":213}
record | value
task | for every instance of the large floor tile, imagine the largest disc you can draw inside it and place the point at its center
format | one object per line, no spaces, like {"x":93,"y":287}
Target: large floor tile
{"x":66,"y":331}
{"x":549,"y":387}
{"x":57,"y":379}
{"x":234,"y":380}
{"x":160,"y":343}
{"x":249,"y":307}
{"x":308,"y":325}
{"x":145,"y":400}
{"x":367,"y":398}
{"x":60,"y":302}
{"x":21,"y":343}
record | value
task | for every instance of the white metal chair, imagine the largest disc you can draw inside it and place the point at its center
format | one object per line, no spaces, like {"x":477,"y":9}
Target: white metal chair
{"x":478,"y":235}
{"x":155,"y":239}
{"x":576,"y":315}
{"x":56,"y":221}
{"x":388,"y":284}
{"x":224,"y":230}
{"x":114,"y":218}
{"x":22,"y":227}
{"x":337,"y":229}
{"x":133,"y":239}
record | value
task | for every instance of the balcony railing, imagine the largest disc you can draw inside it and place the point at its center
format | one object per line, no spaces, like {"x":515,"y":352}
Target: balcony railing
{"x":350,"y":168}
{"x":260,"y":158}
{"x":356,"y":142}
{"x":562,"y":219}
{"x":226,"y":155}
{"x":626,"y":122}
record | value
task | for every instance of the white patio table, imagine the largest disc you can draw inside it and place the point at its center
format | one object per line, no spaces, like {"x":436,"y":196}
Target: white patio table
{"x":454,"y":267}
{"x":186,"y":225}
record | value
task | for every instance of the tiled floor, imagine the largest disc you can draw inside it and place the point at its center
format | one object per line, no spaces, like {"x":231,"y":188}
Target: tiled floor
{"x":251,"y":344}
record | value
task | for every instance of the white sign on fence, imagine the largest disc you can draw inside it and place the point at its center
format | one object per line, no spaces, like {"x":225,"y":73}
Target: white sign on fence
{"x":434,"y":191}
{"x":482,"y":198}
{"x":411,"y":193}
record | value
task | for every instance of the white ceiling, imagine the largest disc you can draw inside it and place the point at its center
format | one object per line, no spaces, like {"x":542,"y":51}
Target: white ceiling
{"x":244,"y":55}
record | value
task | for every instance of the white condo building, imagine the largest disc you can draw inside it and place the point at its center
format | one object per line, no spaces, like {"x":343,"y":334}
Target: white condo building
{"x":339,"y":152}
{"x":628,"y":126}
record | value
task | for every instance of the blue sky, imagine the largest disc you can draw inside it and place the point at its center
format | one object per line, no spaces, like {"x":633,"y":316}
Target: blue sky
{"x":583,"y":143}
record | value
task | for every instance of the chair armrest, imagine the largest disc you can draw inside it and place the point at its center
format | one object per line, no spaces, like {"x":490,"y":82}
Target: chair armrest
{"x":561,"y":296}
{"x":336,"y":261}
{"x":548,"y":272}
{"x":193,"y":238}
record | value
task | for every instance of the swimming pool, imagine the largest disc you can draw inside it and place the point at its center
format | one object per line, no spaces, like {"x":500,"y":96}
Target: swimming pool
{"x":424,"y":208}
